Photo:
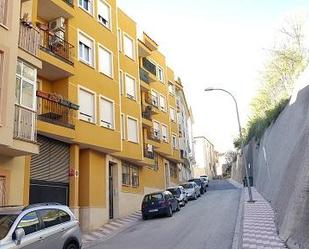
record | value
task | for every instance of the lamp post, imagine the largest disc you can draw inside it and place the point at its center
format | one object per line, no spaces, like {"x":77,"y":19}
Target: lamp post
{"x":241,"y":137}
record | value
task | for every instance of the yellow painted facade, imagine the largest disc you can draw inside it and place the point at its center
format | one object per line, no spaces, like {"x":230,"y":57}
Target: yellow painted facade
{"x":104,"y":161}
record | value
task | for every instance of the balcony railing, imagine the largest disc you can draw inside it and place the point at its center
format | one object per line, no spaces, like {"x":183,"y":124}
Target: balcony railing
{"x":24,"y":124}
{"x":148,"y":151}
{"x":152,"y":100}
{"x":54,"y":109}
{"x":149,"y":66}
{"x":69,"y":2}
{"x":29,"y":38}
{"x":154,"y":135}
{"x":144,"y":75}
{"x":56,"y":45}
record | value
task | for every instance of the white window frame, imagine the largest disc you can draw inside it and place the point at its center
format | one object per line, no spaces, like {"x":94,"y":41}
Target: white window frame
{"x":155,"y":94}
{"x":80,"y":117}
{"x":174,"y":118}
{"x":162,"y":108}
{"x":135,"y":86}
{"x":123,"y":126}
{"x":174,"y":141}
{"x":109,"y":26}
{"x":100,"y":46}
{"x":158,"y":130}
{"x":91,"y":64}
{"x":125,"y":35}
{"x":173,"y":92}
{"x":137,"y":129}
{"x":90,"y":11}
{"x":121,"y":82}
{"x":158,"y":75}
{"x":165,"y":139}
{"x":120,"y":40}
{"x":104,"y":124}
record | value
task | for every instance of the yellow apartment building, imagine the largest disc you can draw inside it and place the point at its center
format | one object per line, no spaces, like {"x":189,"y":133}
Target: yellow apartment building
{"x":108,"y":119}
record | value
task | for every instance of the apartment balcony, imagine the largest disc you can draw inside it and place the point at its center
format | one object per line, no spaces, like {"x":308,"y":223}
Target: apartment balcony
{"x":154,"y":135}
{"x":152,"y":101}
{"x":56,"y":110}
{"x":148,"y":151}
{"x":29,"y":38}
{"x":52,"y":9}
{"x":147,"y":116}
{"x":24,"y":124}
{"x":56,"y":55}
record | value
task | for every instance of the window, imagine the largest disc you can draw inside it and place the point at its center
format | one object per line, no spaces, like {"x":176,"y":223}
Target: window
{"x":121,"y":83}
{"x":86,"y":49}
{"x":86,"y":105}
{"x":128,"y":45}
{"x":30,"y":223}
{"x":154,"y":98}
{"x":104,"y":14}
{"x":130,"y":87}
{"x":149,"y":66}
{"x":173,"y":114}
{"x":106,"y":113}
{"x":105,"y":62}
{"x":175,"y":143}
{"x":171,"y":88}
{"x":50,"y":217}
{"x":173,"y":170}
{"x":135,"y":176}
{"x":123,"y":127}
{"x":132,"y":130}
{"x":3,"y":11}
{"x":130,"y":174}
{"x":160,"y":74}
{"x":156,"y":130}
{"x":164,"y":133}
{"x":25,"y":85}
{"x":86,"y":5}
{"x":125,"y":174}
{"x":162,"y":103}
{"x":120,"y":40}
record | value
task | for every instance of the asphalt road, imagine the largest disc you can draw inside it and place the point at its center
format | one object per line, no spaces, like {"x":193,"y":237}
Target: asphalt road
{"x":207,"y":223}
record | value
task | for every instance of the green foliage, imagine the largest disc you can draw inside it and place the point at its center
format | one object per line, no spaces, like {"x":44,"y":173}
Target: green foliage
{"x":286,"y":61}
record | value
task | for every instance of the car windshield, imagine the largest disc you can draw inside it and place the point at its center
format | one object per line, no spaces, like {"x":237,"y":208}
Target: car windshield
{"x":6,"y":221}
{"x":187,"y":185}
{"x":197,"y":181}
{"x":153,"y":197}
{"x":174,"y":191}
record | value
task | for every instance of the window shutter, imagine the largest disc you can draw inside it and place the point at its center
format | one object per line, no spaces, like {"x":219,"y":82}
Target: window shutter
{"x":130,"y":86}
{"x":105,"y":62}
{"x":104,"y":13}
{"x":86,"y":103}
{"x":132,"y":130}
{"x":107,"y":113}
{"x":128,"y":47}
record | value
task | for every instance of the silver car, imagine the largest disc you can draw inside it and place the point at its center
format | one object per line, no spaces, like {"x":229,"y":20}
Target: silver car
{"x":46,"y":225}
{"x":180,"y":194}
{"x":192,"y":189}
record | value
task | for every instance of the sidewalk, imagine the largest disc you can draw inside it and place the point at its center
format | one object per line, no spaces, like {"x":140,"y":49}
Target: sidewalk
{"x":110,"y":229}
{"x":259,"y":230}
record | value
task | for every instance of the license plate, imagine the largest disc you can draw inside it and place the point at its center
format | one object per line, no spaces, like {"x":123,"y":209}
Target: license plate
{"x":153,"y":210}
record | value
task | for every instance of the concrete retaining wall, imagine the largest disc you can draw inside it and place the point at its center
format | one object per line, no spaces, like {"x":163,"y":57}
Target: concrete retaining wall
{"x":280,"y":167}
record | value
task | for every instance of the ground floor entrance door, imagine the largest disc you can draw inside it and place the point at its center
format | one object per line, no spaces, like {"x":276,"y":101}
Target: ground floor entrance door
{"x":111,"y":191}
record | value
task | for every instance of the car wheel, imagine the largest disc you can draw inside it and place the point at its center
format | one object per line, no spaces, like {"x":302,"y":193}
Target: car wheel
{"x":145,"y":217}
{"x":169,"y":212}
{"x":71,"y":246}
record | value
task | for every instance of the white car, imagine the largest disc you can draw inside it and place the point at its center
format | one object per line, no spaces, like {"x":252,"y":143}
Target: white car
{"x":206,"y":178}
{"x":192,"y":189}
{"x":180,"y":194}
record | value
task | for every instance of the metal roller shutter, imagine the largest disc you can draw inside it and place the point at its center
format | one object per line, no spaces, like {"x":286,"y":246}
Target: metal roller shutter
{"x":52,"y":163}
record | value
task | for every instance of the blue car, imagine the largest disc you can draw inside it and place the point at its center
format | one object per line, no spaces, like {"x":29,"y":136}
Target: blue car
{"x":159,"y":203}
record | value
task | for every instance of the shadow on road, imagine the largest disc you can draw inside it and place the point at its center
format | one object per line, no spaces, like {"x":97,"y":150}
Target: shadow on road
{"x":220,"y":185}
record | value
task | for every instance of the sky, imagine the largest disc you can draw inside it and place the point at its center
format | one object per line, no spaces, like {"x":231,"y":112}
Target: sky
{"x":215,"y":43}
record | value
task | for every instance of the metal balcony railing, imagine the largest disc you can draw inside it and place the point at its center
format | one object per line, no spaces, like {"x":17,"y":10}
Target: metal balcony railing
{"x":53,"y":109}
{"x":56,"y":45}
{"x":29,"y":38}
{"x":154,"y":135}
{"x":24,"y":124}
{"x":148,"y":151}
{"x":144,"y":75}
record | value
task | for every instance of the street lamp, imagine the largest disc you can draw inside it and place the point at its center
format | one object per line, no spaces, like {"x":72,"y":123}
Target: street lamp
{"x":241,"y":137}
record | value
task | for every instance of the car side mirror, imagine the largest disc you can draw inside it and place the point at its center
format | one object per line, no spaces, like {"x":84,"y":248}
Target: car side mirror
{"x":18,"y":235}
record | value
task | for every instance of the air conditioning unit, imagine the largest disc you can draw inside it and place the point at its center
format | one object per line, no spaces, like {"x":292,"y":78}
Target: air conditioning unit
{"x":57,"y":39}
{"x":57,"y":24}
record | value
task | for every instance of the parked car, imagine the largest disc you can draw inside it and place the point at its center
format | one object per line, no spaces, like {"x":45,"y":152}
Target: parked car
{"x":199,"y":183}
{"x":206,"y":178}
{"x":193,"y":191}
{"x":45,"y":225}
{"x":159,"y":203}
{"x":204,"y":184}
{"x":180,"y":194}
